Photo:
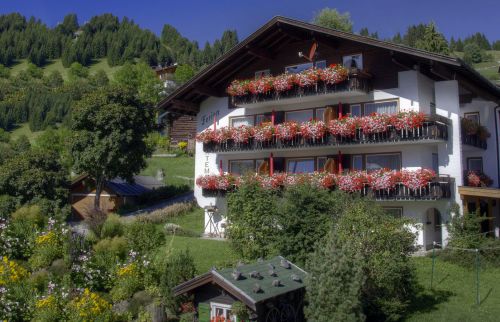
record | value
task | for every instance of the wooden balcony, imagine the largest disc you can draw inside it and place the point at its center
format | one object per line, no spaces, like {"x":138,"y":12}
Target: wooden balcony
{"x":357,"y":84}
{"x":430,"y":131}
{"x":439,"y":188}
{"x":474,"y":140}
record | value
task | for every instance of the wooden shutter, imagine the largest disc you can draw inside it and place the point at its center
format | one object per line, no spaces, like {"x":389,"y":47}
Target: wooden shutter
{"x":203,"y":312}
{"x":331,"y":165}
{"x":330,"y":113}
{"x":264,"y":168}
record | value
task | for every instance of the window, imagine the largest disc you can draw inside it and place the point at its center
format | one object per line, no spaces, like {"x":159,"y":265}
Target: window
{"x":262,"y":118}
{"x":390,"y":107}
{"x":241,"y":167}
{"x":262,"y":73}
{"x":396,"y":212}
{"x":294,"y":69}
{"x":473,"y":117}
{"x":320,"y":64}
{"x":475,"y":164}
{"x":299,"y":116}
{"x":321,"y":163}
{"x":383,"y":161}
{"x":357,"y":162}
{"x":243,"y":120}
{"x":320,"y":114}
{"x":353,"y":61}
{"x":300,"y":166}
{"x":221,"y":310}
{"x":355,"y":110}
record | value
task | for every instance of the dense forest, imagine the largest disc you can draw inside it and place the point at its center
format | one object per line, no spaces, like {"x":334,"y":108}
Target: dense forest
{"x":103,"y":36}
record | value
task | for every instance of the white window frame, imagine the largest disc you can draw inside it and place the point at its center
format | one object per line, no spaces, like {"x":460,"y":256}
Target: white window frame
{"x":380,"y":102}
{"x":249,"y":117}
{"x":382,"y":154}
{"x":358,"y":57}
{"x":399,"y":209}
{"x":225,"y":307}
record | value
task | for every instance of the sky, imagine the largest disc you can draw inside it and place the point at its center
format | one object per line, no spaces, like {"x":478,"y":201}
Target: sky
{"x":206,"y":20}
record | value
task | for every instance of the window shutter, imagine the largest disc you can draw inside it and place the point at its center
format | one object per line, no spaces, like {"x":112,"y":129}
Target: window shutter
{"x":203,"y":312}
{"x":264,"y":168}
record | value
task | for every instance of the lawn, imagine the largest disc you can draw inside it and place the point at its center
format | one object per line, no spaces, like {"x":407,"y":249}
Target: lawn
{"x":178,"y":171}
{"x":205,"y":252}
{"x":56,"y":64}
{"x":454,"y":295}
{"x":24,"y":129}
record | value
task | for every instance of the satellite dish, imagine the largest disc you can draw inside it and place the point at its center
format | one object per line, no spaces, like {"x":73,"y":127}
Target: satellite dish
{"x":312,"y":52}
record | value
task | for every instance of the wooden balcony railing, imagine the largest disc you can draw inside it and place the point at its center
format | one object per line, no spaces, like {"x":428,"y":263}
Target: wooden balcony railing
{"x":357,"y":82}
{"x":430,"y":130}
{"x":438,"y":188}
{"x":474,"y":140}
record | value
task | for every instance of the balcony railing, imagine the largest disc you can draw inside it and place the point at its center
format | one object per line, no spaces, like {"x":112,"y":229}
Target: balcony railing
{"x":356,"y":83}
{"x":430,"y":130}
{"x":474,"y":140}
{"x":438,"y":188}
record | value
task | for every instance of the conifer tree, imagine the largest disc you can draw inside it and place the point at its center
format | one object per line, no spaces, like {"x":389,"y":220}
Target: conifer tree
{"x":334,"y":282}
{"x":433,"y":41}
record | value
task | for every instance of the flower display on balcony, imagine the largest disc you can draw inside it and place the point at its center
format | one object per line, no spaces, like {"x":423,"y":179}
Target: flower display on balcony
{"x":206,"y":136}
{"x":344,"y":127}
{"x":383,"y":179}
{"x":471,"y":127}
{"x":475,"y":179}
{"x":375,"y":123}
{"x":333,"y":74}
{"x":287,"y":130}
{"x":313,"y":129}
{"x":416,"y":179}
{"x":354,"y":181}
{"x":263,"y":132}
{"x":241,"y":134}
{"x":407,"y":120}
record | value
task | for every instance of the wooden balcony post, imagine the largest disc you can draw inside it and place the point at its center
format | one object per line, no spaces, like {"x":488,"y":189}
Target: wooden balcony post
{"x":271,"y":165}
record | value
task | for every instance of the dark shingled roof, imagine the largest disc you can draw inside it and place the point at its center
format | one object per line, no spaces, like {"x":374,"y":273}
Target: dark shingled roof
{"x":290,"y":279}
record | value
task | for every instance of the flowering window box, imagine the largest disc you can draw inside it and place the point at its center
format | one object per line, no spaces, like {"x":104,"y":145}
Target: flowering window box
{"x":405,"y":126}
{"x":308,"y":83}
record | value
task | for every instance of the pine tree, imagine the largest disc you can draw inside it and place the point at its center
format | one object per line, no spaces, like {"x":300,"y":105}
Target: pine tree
{"x":334,"y":282}
{"x":413,"y":34}
{"x":433,"y":41}
{"x":364,"y":32}
{"x":397,"y":38}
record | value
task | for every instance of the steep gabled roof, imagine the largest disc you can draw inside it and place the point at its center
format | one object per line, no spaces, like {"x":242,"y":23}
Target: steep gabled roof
{"x":280,"y":31}
{"x":291,"y":279}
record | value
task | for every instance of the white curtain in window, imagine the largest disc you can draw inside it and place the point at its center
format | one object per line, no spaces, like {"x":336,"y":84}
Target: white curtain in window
{"x":381,"y":108}
{"x":383,"y":161}
{"x":236,"y":122}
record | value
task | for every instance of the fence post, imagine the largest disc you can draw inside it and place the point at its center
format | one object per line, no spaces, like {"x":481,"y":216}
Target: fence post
{"x":478,"y":298}
{"x":433,"y":262}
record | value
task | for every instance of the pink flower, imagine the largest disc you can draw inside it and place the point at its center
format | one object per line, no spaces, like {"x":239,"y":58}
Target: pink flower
{"x":206,"y":136}
{"x":333,"y":74}
{"x":241,"y":134}
{"x":287,"y":130}
{"x":263,"y":132}
{"x":345,"y":127}
{"x":383,"y":179}
{"x":375,"y":123}
{"x":313,"y":129}
{"x":407,"y":120}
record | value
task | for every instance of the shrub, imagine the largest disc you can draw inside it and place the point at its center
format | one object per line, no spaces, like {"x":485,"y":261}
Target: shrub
{"x":112,"y":227}
{"x":143,"y":237}
{"x":7,"y":206}
{"x":89,"y":306}
{"x":164,"y":214}
{"x":117,"y":246}
{"x":125,"y":287}
{"x":385,"y":244}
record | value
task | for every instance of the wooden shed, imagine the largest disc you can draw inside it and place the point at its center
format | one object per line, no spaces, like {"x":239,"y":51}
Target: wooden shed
{"x":116,"y":193}
{"x":272,"y":290}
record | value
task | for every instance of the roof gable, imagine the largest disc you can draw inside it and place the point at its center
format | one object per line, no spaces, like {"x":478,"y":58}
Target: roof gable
{"x":280,"y":31}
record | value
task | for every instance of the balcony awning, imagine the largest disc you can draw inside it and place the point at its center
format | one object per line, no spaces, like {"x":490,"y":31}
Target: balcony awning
{"x":480,"y":192}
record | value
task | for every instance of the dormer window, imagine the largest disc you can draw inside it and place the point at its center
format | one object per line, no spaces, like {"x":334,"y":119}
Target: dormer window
{"x":354,"y":61}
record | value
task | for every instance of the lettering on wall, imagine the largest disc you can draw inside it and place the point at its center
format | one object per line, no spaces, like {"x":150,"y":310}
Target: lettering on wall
{"x":209,"y":118}
{"x":206,"y":168}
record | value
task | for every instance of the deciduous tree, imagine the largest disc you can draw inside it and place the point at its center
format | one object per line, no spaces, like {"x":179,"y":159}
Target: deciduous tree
{"x":332,"y":18}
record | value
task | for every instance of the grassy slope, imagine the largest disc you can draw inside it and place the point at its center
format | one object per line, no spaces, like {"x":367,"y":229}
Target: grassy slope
{"x":455,"y":291}
{"x":24,"y":129}
{"x":177,"y":170}
{"x":57,"y":65}
{"x":488,"y":69}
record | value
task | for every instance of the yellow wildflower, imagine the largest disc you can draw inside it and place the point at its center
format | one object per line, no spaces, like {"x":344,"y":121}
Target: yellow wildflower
{"x":90,"y":305}
{"x":127,"y":270}
{"x":47,"y":302}
{"x":10,"y":271}
{"x":47,"y":238}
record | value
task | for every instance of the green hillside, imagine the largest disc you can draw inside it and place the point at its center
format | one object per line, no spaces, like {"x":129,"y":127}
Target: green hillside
{"x":57,"y":65}
{"x":490,"y":69}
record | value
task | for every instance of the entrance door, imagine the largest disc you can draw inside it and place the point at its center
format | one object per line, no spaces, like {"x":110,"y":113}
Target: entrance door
{"x":432,"y":228}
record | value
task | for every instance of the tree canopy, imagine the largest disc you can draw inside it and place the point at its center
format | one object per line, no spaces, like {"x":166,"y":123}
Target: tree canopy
{"x":332,"y":18}
{"x":109,"y":127}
